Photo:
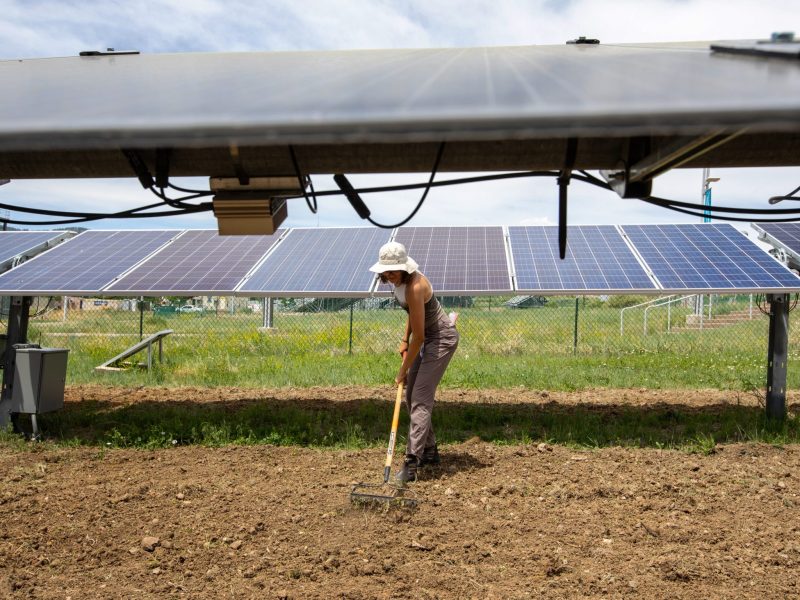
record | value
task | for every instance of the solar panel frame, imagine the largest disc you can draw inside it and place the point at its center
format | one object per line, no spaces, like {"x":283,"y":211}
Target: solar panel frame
{"x":74,"y":267}
{"x":608,"y":267}
{"x":708,"y":258}
{"x":785,"y":236}
{"x":20,"y":244}
{"x":457,"y":260}
{"x":196,"y":263}
{"x":339,"y":256}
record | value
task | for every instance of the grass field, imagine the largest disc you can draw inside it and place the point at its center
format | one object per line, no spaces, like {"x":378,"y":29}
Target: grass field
{"x":539,"y":348}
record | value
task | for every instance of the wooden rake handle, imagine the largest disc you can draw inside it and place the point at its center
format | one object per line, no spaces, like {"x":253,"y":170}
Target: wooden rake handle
{"x":393,"y":435}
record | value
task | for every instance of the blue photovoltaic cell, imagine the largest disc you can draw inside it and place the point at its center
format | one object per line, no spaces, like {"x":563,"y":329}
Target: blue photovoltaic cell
{"x":707,"y":257}
{"x":458,"y":259}
{"x":324,"y":261}
{"x":85,"y":264}
{"x":198,"y":262}
{"x":597,"y":259}
{"x":14,"y":243}
{"x":788,"y":234}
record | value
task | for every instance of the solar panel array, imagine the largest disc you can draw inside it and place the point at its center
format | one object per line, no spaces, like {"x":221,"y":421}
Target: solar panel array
{"x":331,"y":261}
{"x":335,"y":262}
{"x":87,"y":263}
{"x":707,"y":257}
{"x":458,"y":259}
{"x":597,"y":259}
{"x":197,"y":263}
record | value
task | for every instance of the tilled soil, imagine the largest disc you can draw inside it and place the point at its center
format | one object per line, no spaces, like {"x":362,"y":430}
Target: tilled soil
{"x":528,"y":521}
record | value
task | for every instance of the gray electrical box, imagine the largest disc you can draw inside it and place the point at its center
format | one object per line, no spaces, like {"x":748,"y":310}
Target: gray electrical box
{"x":39,"y":378}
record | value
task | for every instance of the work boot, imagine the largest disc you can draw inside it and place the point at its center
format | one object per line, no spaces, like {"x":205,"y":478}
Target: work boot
{"x":430,"y":456}
{"x":409,"y":470}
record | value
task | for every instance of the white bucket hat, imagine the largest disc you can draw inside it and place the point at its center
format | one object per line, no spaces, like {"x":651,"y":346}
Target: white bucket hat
{"x":394,"y":257}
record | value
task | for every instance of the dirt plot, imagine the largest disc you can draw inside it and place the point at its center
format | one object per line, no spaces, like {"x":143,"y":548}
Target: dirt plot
{"x":528,"y":521}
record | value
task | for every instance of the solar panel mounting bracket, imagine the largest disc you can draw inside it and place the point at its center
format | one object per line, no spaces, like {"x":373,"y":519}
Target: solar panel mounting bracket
{"x":643,"y":163}
{"x":633,"y":151}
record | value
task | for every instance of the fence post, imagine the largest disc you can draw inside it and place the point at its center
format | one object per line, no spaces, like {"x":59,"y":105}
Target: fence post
{"x":669,"y":316}
{"x":267,"y":311}
{"x":141,"y":324}
{"x":575,"y":333}
{"x":350,"y":347}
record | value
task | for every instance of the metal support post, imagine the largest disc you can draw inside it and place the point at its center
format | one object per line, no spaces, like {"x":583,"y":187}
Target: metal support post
{"x":777,"y":355}
{"x":267,"y":310}
{"x":18,"y":315}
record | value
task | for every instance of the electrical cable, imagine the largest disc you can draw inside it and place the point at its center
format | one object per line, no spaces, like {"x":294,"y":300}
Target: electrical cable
{"x":701,"y":211}
{"x":181,"y":207}
{"x":311,"y":206}
{"x":85,"y":217}
{"x":358,"y":204}
{"x":421,"y":200}
{"x":789,"y":196}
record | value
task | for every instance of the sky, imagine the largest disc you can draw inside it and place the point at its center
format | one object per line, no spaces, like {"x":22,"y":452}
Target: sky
{"x":32,"y":29}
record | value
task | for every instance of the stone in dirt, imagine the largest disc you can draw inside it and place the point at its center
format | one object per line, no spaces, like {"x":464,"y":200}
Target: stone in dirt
{"x":149,"y":543}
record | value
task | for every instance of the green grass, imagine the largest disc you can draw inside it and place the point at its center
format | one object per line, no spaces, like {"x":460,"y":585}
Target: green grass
{"x":364,"y":423}
{"x":499,"y":347}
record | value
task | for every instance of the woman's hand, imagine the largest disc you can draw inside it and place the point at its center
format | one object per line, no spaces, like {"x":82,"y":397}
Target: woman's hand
{"x":401,"y":376}
{"x":402,"y":349}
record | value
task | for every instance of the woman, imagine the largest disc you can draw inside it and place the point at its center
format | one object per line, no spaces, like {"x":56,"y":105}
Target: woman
{"x":428,"y":344}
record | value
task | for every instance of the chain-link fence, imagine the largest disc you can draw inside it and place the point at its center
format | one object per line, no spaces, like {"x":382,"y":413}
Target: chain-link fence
{"x":692,"y":340}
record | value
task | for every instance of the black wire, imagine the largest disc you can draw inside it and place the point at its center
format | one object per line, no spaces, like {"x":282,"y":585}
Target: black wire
{"x":721,"y":217}
{"x":312,"y":206}
{"x":181,"y":189}
{"x":421,"y":200}
{"x":693,"y":209}
{"x":670,"y":206}
{"x":180,"y":202}
{"x":790,"y":195}
{"x":447,"y":182}
{"x":730,"y":209}
{"x":128,"y":214}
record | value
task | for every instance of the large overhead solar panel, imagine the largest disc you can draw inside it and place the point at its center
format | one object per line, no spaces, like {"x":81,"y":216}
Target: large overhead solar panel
{"x":199,"y":262}
{"x":333,"y":103}
{"x":708,"y":257}
{"x":84,"y":265}
{"x":319,"y":262}
{"x":16,"y":244}
{"x":598,"y":260}
{"x":458,"y":260}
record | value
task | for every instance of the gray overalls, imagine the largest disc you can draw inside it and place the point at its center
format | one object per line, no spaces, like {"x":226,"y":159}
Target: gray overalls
{"x":441,"y":341}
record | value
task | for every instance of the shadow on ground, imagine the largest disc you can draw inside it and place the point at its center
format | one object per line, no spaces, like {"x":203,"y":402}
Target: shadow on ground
{"x":364,"y":422}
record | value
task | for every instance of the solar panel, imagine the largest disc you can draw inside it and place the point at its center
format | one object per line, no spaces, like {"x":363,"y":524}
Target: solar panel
{"x":83,"y":265}
{"x":340,"y":99}
{"x":785,"y":235}
{"x":458,"y":259}
{"x":17,"y":243}
{"x":597,"y":260}
{"x":310,"y":262}
{"x":197,"y":263}
{"x":708,"y":257}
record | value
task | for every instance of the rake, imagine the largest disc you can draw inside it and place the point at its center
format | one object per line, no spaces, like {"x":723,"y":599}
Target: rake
{"x":386,"y":494}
